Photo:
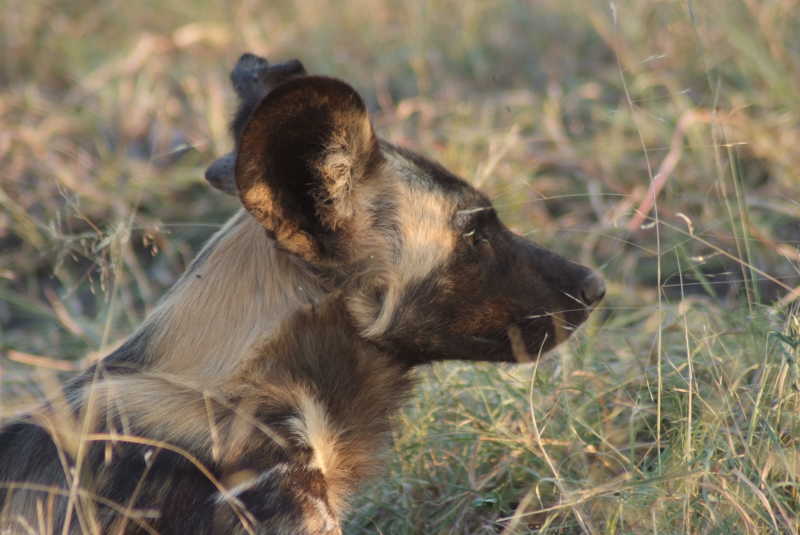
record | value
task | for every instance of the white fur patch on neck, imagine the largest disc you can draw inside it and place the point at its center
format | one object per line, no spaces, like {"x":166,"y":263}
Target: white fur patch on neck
{"x":314,"y":428}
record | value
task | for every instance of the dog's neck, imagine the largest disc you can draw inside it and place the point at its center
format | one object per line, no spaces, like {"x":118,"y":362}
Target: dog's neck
{"x":236,"y":293}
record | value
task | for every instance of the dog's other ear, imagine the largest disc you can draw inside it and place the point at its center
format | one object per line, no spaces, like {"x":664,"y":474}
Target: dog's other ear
{"x":301,"y":154}
{"x":252,"y":79}
{"x":220,"y":174}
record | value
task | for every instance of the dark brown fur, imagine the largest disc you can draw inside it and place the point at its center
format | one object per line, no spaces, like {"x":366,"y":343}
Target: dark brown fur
{"x":244,"y":409}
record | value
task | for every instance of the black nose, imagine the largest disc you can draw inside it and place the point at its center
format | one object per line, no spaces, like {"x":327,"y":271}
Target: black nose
{"x":593,"y":289}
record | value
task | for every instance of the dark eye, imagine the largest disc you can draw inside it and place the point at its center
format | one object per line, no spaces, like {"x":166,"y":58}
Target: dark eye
{"x":475,"y":237}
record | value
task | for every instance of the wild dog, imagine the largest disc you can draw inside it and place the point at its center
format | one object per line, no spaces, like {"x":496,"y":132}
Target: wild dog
{"x":276,"y":416}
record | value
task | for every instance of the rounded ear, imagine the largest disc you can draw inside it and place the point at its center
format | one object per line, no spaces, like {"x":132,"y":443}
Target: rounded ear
{"x":220,"y":174}
{"x":302,"y":152}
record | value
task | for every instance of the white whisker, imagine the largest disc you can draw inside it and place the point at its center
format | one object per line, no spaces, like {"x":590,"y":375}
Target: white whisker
{"x":575,"y":299}
{"x":468,"y":211}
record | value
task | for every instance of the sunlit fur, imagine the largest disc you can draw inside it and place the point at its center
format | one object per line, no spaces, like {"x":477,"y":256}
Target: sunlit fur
{"x":238,"y":291}
{"x":259,"y":394}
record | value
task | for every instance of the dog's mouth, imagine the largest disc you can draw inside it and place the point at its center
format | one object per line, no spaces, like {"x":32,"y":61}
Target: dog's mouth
{"x":536,"y":334}
{"x":528,"y":345}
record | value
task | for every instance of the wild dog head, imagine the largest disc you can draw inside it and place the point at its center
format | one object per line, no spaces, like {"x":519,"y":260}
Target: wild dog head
{"x":430,"y":269}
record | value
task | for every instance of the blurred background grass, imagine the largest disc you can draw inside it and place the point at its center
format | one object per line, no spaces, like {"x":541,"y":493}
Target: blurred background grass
{"x":676,"y":409}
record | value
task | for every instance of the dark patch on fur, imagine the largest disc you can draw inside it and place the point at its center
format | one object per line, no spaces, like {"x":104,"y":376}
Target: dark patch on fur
{"x":39,"y":465}
{"x":435,"y":176}
{"x":161,"y":481}
{"x":253,"y":78}
{"x":269,"y":500}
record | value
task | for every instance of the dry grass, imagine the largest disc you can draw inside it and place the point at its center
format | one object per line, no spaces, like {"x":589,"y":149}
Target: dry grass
{"x":656,"y":140}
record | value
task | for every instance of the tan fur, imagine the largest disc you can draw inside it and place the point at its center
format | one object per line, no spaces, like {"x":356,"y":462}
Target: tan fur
{"x":176,"y":410}
{"x":315,"y":429}
{"x":427,"y":241}
{"x":426,"y":229}
{"x":215,"y":315}
{"x":319,"y":518}
{"x":560,"y":327}
{"x":518,"y":345}
{"x":343,"y":166}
